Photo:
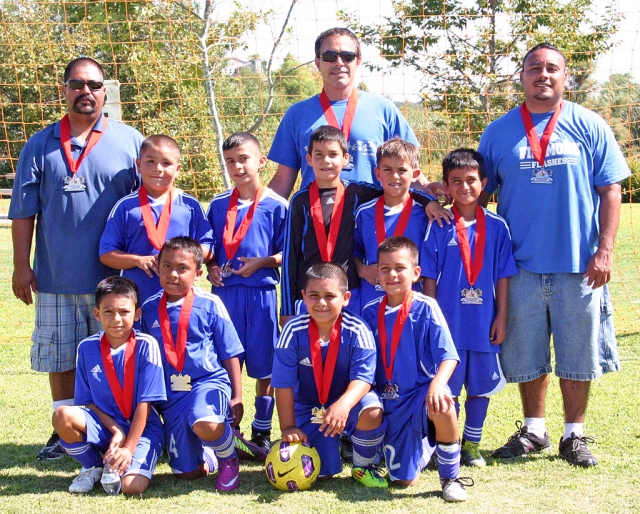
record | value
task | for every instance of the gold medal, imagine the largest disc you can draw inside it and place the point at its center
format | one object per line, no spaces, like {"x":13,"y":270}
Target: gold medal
{"x":180,"y":382}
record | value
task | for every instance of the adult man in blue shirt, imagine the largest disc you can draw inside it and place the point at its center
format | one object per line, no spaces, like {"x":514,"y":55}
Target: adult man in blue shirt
{"x":69,"y":176}
{"x":560,"y":195}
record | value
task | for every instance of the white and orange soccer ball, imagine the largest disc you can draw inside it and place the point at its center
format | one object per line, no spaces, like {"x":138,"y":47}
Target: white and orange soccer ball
{"x":292,"y":466}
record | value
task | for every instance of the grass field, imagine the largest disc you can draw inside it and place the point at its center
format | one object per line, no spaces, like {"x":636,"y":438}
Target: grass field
{"x":539,"y":484}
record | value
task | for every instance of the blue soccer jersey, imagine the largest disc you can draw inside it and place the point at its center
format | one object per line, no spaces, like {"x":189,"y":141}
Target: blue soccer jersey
{"x":292,"y":361}
{"x":366,"y":240}
{"x":92,"y":386}
{"x":211,"y":338}
{"x":125,"y":232}
{"x":441,"y":260}
{"x":264,"y":238}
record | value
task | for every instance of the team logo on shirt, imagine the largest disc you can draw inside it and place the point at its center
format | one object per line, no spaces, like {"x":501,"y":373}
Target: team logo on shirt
{"x":305,"y":362}
{"x":452,"y":242}
{"x":330,"y":201}
{"x":96,"y":369}
{"x":155,"y":324}
{"x":471,"y":296}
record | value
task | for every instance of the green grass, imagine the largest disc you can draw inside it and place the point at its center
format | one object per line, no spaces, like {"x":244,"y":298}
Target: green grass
{"x":539,"y":484}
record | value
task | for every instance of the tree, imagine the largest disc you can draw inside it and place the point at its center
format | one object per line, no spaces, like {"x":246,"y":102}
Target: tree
{"x":470,"y":51}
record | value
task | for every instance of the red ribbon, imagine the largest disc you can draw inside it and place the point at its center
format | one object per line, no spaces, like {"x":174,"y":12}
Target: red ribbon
{"x":326,"y":246}
{"x":396,"y":332}
{"x":230,"y":240}
{"x":323,"y":374}
{"x":403,"y":220}
{"x":175,"y":351}
{"x":539,"y":146}
{"x":472,"y":268}
{"x":157,"y":235}
{"x":122,"y":395}
{"x":350,"y":113}
{"x":65,"y":139}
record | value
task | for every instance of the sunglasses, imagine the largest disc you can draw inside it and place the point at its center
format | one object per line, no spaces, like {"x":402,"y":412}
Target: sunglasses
{"x":331,"y":56}
{"x":77,"y":84}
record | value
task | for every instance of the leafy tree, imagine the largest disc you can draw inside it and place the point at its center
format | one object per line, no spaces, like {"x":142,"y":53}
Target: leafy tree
{"x":469,"y":52}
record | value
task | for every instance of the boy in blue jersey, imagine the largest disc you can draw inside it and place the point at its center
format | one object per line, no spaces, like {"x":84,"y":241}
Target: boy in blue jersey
{"x":141,"y":222}
{"x":395,"y":213}
{"x":118,"y":380}
{"x":248,"y":226}
{"x":201,"y":358}
{"x":323,"y":369}
{"x":321,"y":220}
{"x":416,"y":358}
{"x":466,"y":267}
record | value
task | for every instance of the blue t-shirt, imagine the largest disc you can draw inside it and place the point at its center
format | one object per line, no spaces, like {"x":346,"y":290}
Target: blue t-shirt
{"x":424,"y":343}
{"x":92,"y":386}
{"x":70,"y":223}
{"x":554,"y":225}
{"x":376,"y":120}
{"x":264,"y":238}
{"x":125,"y":231}
{"x":366,"y":239}
{"x":211,"y":338}
{"x":441,"y":260}
{"x":292,"y":365}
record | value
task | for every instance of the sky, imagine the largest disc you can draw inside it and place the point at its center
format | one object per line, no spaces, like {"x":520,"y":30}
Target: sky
{"x":310,"y":17}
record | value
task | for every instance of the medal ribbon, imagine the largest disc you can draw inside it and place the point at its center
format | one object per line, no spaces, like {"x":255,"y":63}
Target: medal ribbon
{"x":323,"y":374}
{"x":396,"y":332}
{"x":230,"y":240}
{"x":65,"y":139}
{"x":350,"y":113}
{"x":175,"y":352}
{"x":403,"y":220}
{"x":539,"y":146}
{"x":325,"y":246}
{"x":122,"y":395}
{"x":472,"y":268}
{"x":156,"y":235}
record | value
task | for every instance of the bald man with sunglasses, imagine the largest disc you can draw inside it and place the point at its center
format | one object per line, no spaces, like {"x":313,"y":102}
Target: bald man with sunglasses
{"x":367,"y":120}
{"x":69,"y":176}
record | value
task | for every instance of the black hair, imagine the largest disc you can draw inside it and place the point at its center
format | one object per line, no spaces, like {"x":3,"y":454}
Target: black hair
{"x":240,"y":138}
{"x":119,"y":286}
{"x":398,"y":147}
{"x":462,"y":158}
{"x":544,"y":46}
{"x":336,"y":31}
{"x":186,"y":244}
{"x":81,"y":61}
{"x":327,"y":271}
{"x":328,"y":133}
{"x":159,"y":140}
{"x":398,"y":243}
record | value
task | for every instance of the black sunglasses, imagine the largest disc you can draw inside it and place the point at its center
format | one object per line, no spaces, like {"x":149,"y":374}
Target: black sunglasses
{"x":77,"y":84}
{"x":331,"y":56}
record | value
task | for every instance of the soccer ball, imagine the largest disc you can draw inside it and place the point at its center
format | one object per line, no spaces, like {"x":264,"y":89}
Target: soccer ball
{"x":292,"y":466}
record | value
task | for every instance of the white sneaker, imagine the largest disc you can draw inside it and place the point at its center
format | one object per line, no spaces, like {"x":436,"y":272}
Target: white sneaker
{"x":453,"y":488}
{"x":86,"y":480}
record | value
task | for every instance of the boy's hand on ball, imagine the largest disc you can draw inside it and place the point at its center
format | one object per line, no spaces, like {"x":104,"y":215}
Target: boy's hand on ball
{"x":294,"y":435}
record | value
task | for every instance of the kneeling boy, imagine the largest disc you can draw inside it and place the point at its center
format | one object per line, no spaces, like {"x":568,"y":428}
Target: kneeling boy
{"x":416,"y":360}
{"x":118,"y":379}
{"x":323,"y":370}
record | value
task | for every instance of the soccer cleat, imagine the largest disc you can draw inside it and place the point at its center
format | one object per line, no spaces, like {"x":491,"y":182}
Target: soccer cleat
{"x":453,"y":489}
{"x":522,"y":443}
{"x":470,"y":454}
{"x":575,"y":451}
{"x":369,"y":476}
{"x":246,"y":449}
{"x":261,"y":440}
{"x":228,"y":475}
{"x":52,"y":450}
{"x":86,"y":480}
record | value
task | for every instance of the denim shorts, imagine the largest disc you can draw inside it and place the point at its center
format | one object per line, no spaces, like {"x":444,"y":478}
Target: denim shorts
{"x":579,"y":318}
{"x":62,"y":321}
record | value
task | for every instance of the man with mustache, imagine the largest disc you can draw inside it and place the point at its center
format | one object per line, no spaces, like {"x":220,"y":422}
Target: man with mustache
{"x":558,"y":168}
{"x":69,"y":176}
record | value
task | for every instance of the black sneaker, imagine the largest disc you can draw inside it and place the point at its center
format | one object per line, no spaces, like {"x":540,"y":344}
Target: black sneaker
{"x":261,"y":440}
{"x":52,"y":450}
{"x":575,"y":451}
{"x":522,"y":443}
{"x":346,"y":448}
